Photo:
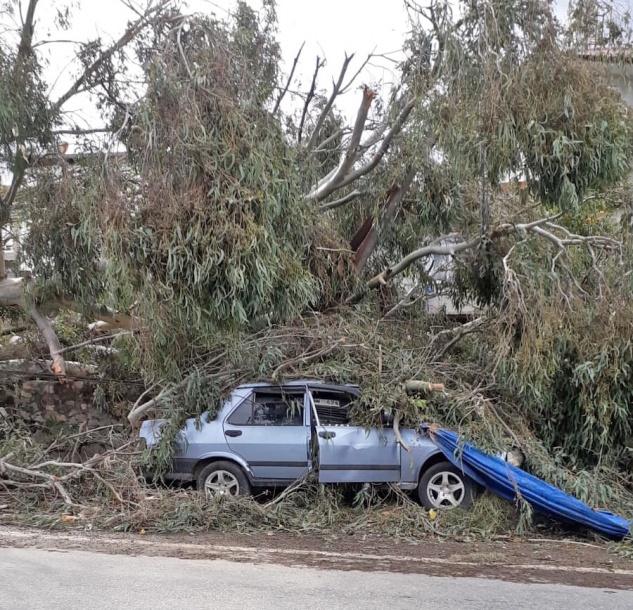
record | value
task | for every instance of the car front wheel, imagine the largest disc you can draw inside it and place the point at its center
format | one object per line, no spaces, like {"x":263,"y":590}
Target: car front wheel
{"x":446,"y":487}
{"x":223,"y":479}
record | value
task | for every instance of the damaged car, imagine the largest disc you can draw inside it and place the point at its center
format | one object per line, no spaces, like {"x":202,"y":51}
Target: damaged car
{"x":269,"y":436}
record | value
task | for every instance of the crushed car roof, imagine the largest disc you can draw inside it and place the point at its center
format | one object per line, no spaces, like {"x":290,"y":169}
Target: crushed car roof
{"x":312,"y":383}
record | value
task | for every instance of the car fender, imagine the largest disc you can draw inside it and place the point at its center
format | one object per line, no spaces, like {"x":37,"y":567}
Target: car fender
{"x":229,"y":457}
{"x":433,"y":457}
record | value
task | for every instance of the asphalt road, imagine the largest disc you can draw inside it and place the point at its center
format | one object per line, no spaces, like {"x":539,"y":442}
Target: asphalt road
{"x":34,"y":579}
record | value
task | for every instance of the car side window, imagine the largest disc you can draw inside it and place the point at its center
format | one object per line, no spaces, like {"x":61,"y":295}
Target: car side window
{"x":269,"y":409}
{"x":243,"y":415}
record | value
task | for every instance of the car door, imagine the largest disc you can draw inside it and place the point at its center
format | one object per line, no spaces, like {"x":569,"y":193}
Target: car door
{"x":353,"y":454}
{"x":270,"y":430}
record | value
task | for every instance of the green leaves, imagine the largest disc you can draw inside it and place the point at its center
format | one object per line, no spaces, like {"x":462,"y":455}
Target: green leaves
{"x":215,"y":243}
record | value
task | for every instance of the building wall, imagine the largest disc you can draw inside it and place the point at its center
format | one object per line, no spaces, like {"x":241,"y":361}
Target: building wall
{"x":623,"y":79}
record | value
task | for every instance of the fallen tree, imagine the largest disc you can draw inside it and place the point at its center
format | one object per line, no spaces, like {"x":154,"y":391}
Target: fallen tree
{"x":240,"y":241}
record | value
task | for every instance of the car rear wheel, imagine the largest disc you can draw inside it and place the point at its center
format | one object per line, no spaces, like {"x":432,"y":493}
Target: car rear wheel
{"x":446,"y":487}
{"x":223,"y":479}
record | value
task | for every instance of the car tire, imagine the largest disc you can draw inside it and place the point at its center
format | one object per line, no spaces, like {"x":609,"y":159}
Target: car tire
{"x":223,"y":478}
{"x":442,"y":486}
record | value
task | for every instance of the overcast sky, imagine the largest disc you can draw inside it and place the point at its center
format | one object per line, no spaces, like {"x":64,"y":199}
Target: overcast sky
{"x":329,"y":28}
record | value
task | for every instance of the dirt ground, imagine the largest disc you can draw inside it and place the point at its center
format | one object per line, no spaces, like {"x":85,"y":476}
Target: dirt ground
{"x":536,"y":560}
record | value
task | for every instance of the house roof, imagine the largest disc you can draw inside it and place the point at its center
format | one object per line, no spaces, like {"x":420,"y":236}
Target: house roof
{"x":608,"y":54}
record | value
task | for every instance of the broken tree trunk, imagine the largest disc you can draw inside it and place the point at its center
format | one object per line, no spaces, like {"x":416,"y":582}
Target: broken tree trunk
{"x":423,"y":386}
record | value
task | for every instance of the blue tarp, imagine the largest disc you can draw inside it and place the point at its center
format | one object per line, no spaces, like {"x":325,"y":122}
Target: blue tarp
{"x":503,"y":479}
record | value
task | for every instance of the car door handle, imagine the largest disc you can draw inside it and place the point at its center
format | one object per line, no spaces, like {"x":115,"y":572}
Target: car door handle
{"x":327,"y":434}
{"x":232,"y":433}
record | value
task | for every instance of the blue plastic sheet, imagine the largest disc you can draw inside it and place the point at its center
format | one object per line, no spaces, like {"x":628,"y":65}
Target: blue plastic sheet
{"x":505,"y":480}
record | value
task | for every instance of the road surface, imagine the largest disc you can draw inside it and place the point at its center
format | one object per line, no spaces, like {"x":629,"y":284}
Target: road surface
{"x":35,"y":579}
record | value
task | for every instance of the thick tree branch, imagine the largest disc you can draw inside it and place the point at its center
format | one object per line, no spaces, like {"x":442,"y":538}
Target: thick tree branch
{"x":12,"y":294}
{"x":140,"y":408}
{"x":312,"y":142}
{"x":522,"y":229}
{"x":384,"y":145}
{"x":344,"y":175}
{"x":396,"y":430}
{"x":407,"y":261}
{"x":113,"y":319}
{"x":26,"y":37}
{"x":18,"y":177}
{"x":337,"y":203}
{"x":3,"y":268}
{"x":334,"y":181}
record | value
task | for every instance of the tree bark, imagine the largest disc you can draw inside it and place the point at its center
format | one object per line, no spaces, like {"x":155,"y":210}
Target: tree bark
{"x":368,"y":244}
{"x":3,"y":268}
{"x":58,"y":365}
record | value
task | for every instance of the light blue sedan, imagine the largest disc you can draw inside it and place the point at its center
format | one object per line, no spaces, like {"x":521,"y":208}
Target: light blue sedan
{"x":269,"y":436}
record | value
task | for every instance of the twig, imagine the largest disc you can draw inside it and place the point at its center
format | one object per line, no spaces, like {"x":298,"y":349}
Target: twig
{"x":343,"y":131}
{"x":470,"y":327}
{"x":595,"y":546}
{"x":503,"y":423}
{"x":132,"y":31}
{"x":304,"y":358}
{"x":86,"y":432}
{"x":285,"y":89}
{"x":286,"y":492}
{"x":319,"y":64}
{"x":94,"y":340}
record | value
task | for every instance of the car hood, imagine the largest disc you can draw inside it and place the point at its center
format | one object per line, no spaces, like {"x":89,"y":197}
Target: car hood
{"x":150,"y":430}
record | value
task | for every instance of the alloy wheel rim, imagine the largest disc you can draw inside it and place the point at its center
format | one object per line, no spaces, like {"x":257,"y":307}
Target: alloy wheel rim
{"x":446,"y":490}
{"x":221,"y":483}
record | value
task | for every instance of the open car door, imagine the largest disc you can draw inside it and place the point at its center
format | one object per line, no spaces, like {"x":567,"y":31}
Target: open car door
{"x":351,"y":454}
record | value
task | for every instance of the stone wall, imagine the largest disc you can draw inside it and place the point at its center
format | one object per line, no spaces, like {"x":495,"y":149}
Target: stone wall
{"x":43,"y":402}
